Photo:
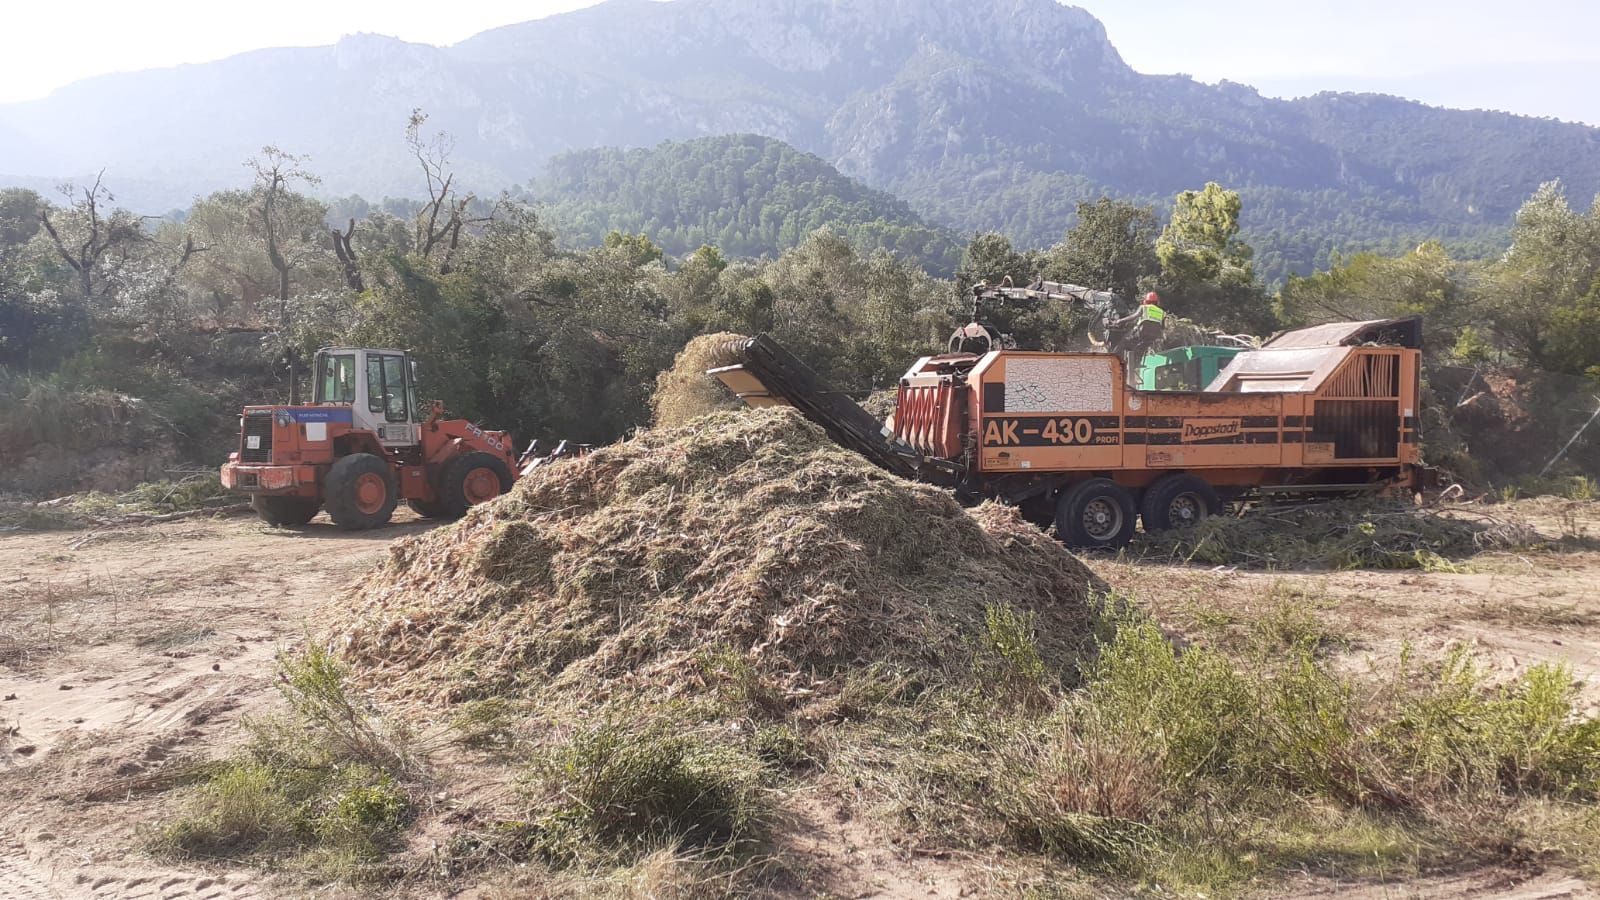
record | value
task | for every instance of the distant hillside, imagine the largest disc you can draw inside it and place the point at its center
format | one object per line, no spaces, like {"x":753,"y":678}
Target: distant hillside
{"x":980,"y":113}
{"x":748,"y":195}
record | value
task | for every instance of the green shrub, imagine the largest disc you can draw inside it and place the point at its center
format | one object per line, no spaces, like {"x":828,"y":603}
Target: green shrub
{"x":315,"y":684}
{"x":618,"y":790}
{"x":1345,"y":534}
{"x":1447,"y":732}
{"x":1198,"y":713}
{"x":321,"y":785}
{"x":1293,"y":726}
{"x":194,"y":492}
{"x":1192,"y":767}
{"x":239,"y":809}
{"x":1011,"y":651}
{"x":1569,"y":487}
{"x":1290,"y":621}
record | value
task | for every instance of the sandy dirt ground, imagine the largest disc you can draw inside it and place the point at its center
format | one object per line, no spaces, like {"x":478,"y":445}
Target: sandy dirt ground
{"x":126,"y":654}
{"x":1511,"y":610}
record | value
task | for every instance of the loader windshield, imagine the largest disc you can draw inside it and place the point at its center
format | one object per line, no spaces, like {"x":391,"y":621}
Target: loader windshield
{"x":386,"y":387}
{"x":336,"y":378}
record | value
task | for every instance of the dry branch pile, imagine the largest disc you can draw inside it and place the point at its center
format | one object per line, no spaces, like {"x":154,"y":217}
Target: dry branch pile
{"x":151,"y":503}
{"x":743,"y":533}
{"x":1377,"y":534}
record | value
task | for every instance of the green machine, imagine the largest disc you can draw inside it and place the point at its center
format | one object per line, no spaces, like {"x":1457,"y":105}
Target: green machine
{"x":1184,"y":368}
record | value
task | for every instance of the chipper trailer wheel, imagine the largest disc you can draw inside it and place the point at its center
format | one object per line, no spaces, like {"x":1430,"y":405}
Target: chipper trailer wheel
{"x":1096,"y":515}
{"x":285,"y":512}
{"x":470,"y":479}
{"x":1178,"y":501}
{"x":361,"y":492}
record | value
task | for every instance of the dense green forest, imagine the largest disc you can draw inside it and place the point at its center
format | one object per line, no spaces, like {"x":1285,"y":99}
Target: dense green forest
{"x":119,"y":331}
{"x":1296,"y":232}
{"x":747,"y":195}
{"x":755,"y":196}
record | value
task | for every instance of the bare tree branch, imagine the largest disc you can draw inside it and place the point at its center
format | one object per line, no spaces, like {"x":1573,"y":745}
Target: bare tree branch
{"x":274,"y":170}
{"x":103,"y":238}
{"x":441,"y":221}
{"x":346,"y":252}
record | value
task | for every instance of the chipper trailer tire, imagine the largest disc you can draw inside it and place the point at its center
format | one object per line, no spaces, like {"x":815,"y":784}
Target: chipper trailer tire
{"x":1331,"y":409}
{"x":1178,"y":501}
{"x":362,"y":446}
{"x":1097,"y":514}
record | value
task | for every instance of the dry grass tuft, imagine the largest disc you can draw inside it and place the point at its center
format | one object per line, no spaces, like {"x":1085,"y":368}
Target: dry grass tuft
{"x":40,"y":619}
{"x":325,"y":789}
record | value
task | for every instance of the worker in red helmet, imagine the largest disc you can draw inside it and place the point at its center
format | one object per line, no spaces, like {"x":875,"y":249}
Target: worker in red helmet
{"x":1142,"y":331}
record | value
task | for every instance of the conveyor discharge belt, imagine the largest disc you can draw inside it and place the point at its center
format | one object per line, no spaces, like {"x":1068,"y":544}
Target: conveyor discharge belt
{"x":763,"y":373}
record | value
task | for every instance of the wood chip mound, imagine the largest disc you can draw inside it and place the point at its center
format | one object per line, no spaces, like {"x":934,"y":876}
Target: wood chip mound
{"x":741,"y":533}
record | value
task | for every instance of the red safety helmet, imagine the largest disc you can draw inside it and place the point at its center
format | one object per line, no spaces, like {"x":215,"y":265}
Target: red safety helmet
{"x":1153,"y":297}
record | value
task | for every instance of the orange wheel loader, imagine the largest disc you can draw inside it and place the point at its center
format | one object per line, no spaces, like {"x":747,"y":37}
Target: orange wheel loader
{"x":363,"y":445}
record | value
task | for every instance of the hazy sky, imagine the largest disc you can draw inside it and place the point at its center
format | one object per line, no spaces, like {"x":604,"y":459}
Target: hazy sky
{"x":1538,"y":57}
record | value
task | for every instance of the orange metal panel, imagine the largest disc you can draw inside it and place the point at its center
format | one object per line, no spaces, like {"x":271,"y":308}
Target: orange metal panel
{"x":1048,"y":412}
{"x":1210,"y":430}
{"x":1044,"y":412}
{"x":414,"y":484}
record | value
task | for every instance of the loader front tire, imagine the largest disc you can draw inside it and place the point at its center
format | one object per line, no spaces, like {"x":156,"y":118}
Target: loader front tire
{"x":1096,"y":515}
{"x":284,"y":512}
{"x":361,"y":492}
{"x":470,"y":479}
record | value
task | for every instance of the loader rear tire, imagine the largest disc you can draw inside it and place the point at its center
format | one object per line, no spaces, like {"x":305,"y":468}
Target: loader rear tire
{"x":428,"y":509}
{"x":1096,"y":515}
{"x":361,"y":492}
{"x":470,"y":479}
{"x":1178,"y":501}
{"x":285,"y":512}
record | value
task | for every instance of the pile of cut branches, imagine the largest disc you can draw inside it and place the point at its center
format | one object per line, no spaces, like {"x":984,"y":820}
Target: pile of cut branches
{"x":1348,"y":534}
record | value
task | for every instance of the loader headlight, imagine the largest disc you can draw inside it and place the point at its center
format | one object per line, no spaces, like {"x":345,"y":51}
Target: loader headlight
{"x":285,"y":418}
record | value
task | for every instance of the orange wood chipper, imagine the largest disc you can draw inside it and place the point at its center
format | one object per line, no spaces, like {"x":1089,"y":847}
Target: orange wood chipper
{"x":361,"y":446}
{"x":1329,"y":409}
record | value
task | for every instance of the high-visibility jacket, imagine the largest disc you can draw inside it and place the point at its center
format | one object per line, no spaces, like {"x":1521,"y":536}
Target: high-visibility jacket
{"x":1150,"y":312}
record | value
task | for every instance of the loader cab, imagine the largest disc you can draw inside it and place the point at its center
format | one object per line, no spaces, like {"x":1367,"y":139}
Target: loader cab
{"x":379,"y":386}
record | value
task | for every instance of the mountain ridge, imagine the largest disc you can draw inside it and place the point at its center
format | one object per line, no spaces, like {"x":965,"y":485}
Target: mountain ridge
{"x":994,"y":114}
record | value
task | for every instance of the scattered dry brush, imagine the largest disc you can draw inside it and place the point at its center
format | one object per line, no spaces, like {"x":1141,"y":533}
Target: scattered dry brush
{"x":1348,"y":534}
